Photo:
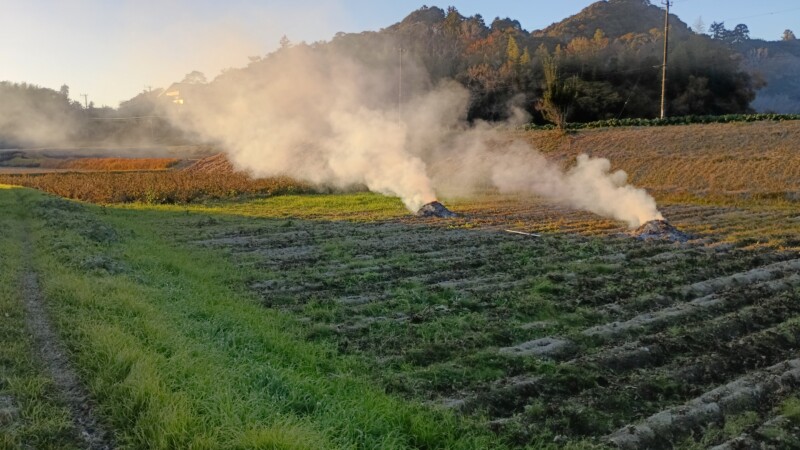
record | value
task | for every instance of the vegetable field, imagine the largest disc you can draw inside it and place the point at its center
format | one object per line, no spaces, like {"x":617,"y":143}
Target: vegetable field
{"x":338,"y":321}
{"x":274,"y":317}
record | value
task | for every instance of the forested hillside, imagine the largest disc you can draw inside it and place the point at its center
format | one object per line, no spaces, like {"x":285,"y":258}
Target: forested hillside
{"x":602,"y":63}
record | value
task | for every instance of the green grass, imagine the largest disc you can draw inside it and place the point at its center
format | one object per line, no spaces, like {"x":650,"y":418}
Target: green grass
{"x":193,"y":329}
{"x":790,"y":408}
{"x":177,"y":355}
{"x":360,"y":206}
{"x":31,"y":412}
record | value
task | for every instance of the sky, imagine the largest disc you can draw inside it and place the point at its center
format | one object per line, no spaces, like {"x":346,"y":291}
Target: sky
{"x":111,"y":50}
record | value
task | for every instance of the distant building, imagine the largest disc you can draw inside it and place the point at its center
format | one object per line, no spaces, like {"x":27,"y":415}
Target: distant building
{"x":177,"y":93}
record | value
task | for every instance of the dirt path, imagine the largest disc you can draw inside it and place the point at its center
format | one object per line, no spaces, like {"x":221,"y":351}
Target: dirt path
{"x":52,"y":354}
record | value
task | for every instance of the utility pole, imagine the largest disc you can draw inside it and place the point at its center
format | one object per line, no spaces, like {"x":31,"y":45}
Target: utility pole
{"x":400,"y":88}
{"x":664,"y":66}
{"x":149,"y":88}
{"x":85,"y":100}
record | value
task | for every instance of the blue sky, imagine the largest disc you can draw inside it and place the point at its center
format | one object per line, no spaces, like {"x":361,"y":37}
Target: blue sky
{"x":112,"y":49}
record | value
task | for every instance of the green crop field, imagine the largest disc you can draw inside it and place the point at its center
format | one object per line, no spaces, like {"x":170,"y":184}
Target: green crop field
{"x":341,"y":321}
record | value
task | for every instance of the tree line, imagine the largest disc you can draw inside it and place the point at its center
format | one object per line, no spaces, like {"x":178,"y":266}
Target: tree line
{"x":602,"y":64}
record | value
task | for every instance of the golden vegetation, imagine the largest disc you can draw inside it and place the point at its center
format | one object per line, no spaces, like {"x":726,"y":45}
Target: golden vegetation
{"x":153,"y":187}
{"x":741,"y":159}
{"x":737,"y":160}
{"x":113,"y":164}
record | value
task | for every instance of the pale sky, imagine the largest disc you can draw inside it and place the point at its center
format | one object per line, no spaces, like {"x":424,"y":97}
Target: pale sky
{"x":112,"y":49}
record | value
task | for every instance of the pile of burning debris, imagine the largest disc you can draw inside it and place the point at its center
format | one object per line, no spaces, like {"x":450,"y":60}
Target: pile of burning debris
{"x":659,"y":230}
{"x":436,"y":209}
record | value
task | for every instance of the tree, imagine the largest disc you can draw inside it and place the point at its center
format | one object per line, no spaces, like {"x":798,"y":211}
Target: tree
{"x":599,"y":40}
{"x":194,"y":77}
{"x":285,"y":42}
{"x":788,"y":35}
{"x":739,"y":34}
{"x":558,"y":94}
{"x":718,"y":31}
{"x":452,"y":21}
{"x":525,"y":59}
{"x":512,"y":52}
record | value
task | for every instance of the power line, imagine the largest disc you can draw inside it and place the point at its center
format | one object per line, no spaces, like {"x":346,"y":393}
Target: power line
{"x":401,"y":50}
{"x":763,"y":14}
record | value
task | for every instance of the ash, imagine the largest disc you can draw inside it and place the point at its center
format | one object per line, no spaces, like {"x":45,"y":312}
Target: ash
{"x":659,"y":230}
{"x":436,"y":209}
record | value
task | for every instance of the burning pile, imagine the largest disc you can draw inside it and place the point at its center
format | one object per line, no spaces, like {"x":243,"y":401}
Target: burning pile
{"x":659,"y":230}
{"x":436,"y":209}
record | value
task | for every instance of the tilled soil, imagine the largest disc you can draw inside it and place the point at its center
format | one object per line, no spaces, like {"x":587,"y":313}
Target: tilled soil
{"x":581,"y":333}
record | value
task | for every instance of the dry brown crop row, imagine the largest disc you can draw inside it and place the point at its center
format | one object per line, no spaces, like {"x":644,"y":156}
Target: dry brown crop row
{"x":759,"y":159}
{"x":113,"y":164}
{"x":153,"y":187}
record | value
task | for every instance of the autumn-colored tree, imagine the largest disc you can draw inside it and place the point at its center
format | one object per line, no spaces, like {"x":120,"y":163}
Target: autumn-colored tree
{"x":558,"y":94}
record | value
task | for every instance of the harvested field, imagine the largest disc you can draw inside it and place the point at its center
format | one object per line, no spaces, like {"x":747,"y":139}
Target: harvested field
{"x":739,"y":159}
{"x":114,"y":164}
{"x":152,"y":186}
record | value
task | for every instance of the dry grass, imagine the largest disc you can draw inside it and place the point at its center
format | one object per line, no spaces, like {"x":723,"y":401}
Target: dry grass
{"x":728,"y":161}
{"x":742,"y":159}
{"x":113,"y":164}
{"x":153,"y":187}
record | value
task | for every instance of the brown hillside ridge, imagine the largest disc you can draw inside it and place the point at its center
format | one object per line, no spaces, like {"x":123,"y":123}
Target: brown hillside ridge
{"x":743,"y":159}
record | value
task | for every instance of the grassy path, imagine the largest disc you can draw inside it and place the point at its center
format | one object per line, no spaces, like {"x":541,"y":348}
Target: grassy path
{"x":52,"y":356}
{"x":33,"y":413}
{"x":176,"y":355}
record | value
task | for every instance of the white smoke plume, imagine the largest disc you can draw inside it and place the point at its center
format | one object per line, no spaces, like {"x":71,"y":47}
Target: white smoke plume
{"x":317,"y":115}
{"x":589,"y":185}
{"x":312,"y":116}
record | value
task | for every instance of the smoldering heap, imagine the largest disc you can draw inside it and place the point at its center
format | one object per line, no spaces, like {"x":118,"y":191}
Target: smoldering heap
{"x":659,"y":230}
{"x":436,"y":209}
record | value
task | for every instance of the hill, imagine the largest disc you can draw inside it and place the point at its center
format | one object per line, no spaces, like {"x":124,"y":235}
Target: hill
{"x":607,"y":59}
{"x":616,"y":18}
{"x":777,"y":64}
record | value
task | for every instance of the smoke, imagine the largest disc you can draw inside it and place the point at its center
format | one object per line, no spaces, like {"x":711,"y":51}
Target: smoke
{"x":589,"y":185}
{"x":320,"y":115}
{"x":315,"y":116}
{"x":33,"y":116}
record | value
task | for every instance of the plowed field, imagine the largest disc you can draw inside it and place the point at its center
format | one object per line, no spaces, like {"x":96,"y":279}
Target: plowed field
{"x":582,"y":333}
